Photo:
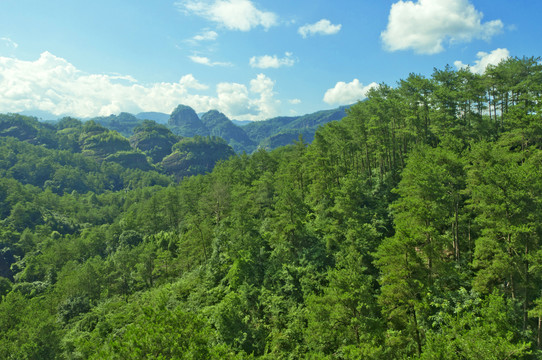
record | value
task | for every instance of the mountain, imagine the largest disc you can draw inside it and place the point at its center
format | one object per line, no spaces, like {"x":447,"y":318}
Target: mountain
{"x":242,"y":122}
{"x":259,"y":130}
{"x":152,"y":147}
{"x":153,"y":139}
{"x":123,"y":123}
{"x":29,"y":130}
{"x":40,"y":114}
{"x":287,"y":137}
{"x":99,"y":142}
{"x":317,"y":119}
{"x":185,"y":122}
{"x":219,"y":125}
{"x":130,"y":160}
{"x":267,"y":134}
{"x":283,"y":130}
{"x":197,"y":155}
{"x":242,"y":136}
{"x":19,"y":127}
{"x":159,"y":117}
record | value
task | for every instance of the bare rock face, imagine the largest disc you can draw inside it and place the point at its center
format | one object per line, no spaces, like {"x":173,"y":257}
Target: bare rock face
{"x":185,"y":122}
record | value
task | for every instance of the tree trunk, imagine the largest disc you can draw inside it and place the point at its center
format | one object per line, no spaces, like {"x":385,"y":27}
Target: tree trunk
{"x":456,"y":235}
{"x":539,"y":334}
{"x":417,"y":331}
{"x":526,"y":290}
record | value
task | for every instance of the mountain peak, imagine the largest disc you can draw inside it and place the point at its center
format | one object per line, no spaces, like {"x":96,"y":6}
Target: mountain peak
{"x":185,"y":122}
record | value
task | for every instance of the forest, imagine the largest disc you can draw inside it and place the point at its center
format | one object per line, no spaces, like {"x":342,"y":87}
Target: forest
{"x":410,"y":229}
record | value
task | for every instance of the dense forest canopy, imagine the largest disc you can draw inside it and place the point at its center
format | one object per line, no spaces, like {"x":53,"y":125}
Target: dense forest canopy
{"x":409,"y":229}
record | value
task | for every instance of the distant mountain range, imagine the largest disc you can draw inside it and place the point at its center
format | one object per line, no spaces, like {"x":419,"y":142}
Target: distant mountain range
{"x":160,"y":118}
{"x":241,"y":122}
{"x":40,"y":115}
{"x":245,"y":136}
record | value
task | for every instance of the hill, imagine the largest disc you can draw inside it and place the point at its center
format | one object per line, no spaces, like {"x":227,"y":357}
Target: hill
{"x":196,"y":155}
{"x":280,"y":131}
{"x":244,"y":136}
{"x":185,"y":122}
{"x":124,"y":123}
{"x":49,"y":145}
{"x":153,"y":139}
{"x":219,"y":125}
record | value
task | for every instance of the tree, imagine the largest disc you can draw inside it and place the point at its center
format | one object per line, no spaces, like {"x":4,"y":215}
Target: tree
{"x":426,"y":246}
{"x":472,"y":328}
{"x":346,"y":313}
{"x":505,"y":188}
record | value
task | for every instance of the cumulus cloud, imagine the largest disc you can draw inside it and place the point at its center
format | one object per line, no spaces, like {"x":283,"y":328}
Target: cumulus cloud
{"x":267,"y":61}
{"x":232,"y":14}
{"x":256,"y":103}
{"x":52,"y":84}
{"x":234,"y":99}
{"x":322,"y":27}
{"x":206,"y":61}
{"x":266,"y":103}
{"x":294,"y":101}
{"x":484,"y":60}
{"x":190,"y":82}
{"x":424,"y":25}
{"x":347,"y":93}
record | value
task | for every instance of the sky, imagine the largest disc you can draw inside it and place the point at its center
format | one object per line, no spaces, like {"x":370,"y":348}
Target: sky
{"x":250,"y":59}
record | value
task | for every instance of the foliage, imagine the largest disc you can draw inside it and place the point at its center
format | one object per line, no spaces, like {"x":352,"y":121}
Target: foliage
{"x":410,"y":229}
{"x":153,"y":139}
{"x":198,"y":155}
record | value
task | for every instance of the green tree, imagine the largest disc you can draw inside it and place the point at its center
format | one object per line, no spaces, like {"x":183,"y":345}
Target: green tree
{"x":472,"y":328}
{"x":505,"y":188}
{"x":346,"y":314}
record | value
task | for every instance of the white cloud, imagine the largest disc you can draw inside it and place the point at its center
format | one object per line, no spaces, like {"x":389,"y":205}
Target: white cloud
{"x":207,"y":35}
{"x":206,"y":61}
{"x":347,"y":93}
{"x":234,"y":99}
{"x":484,"y":60}
{"x":233,"y":14}
{"x":190,"y":82}
{"x":52,"y":84}
{"x":267,"y":61}
{"x":265,"y":104}
{"x":294,"y":101}
{"x":9,"y":43}
{"x":322,"y":27}
{"x":424,"y":25}
{"x":127,"y":78}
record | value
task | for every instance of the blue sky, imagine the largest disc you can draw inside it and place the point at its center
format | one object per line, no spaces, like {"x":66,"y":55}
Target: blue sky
{"x":251,"y":59}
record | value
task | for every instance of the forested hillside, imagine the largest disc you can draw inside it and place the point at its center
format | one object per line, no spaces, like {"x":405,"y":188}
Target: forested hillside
{"x":267,"y":134}
{"x":410,"y":229}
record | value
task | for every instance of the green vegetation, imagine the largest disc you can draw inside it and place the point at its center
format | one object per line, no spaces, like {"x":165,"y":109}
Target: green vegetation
{"x":185,"y":122}
{"x":154,"y":140}
{"x":219,"y":125}
{"x":282,"y":131}
{"x":123,"y":123}
{"x":410,"y":229}
{"x":267,"y":134}
{"x":196,"y":155}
